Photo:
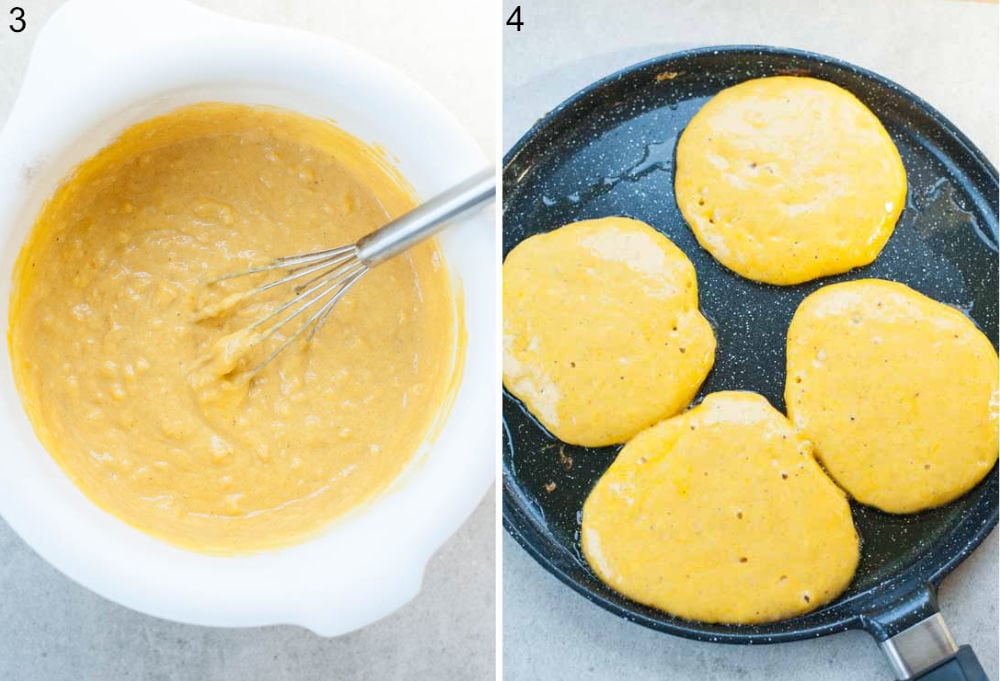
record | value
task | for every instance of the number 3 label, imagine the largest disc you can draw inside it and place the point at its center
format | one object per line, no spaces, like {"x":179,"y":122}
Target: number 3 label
{"x":18,"y":24}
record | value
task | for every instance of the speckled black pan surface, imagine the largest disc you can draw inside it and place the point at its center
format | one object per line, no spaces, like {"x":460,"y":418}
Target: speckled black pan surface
{"x":609,"y":151}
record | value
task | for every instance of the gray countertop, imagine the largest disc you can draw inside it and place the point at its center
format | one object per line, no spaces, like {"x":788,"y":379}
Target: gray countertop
{"x":945,"y":52}
{"x":54,"y":630}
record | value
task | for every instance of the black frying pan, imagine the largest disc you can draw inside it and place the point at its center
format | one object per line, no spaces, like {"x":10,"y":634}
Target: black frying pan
{"x":609,"y":150}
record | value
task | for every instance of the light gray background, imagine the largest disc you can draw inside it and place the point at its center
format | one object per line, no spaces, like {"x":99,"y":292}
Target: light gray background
{"x":53,"y":630}
{"x":943,"y":50}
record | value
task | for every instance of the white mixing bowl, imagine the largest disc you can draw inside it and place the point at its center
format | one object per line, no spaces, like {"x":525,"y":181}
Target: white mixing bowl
{"x":102,"y":65}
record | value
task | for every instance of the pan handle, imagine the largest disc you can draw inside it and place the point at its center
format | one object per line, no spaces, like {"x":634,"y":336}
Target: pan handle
{"x":926,"y":651}
{"x":915,"y":638}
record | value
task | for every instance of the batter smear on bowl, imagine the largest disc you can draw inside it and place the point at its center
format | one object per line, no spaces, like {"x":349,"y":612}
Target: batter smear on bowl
{"x":119,"y":368}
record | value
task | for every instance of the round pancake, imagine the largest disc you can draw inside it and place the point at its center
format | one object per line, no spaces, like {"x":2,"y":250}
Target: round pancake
{"x":721,"y":515}
{"x":602,"y":333}
{"x":897,"y":392}
{"x":787,"y":179}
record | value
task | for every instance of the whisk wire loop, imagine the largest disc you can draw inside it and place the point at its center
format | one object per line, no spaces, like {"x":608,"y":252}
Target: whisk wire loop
{"x":329,"y":274}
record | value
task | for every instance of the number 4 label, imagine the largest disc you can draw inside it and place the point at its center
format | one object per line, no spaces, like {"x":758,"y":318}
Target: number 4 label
{"x":515,"y":19}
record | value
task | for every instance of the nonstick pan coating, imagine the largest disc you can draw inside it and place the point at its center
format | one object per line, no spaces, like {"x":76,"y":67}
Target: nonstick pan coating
{"x":609,"y":150}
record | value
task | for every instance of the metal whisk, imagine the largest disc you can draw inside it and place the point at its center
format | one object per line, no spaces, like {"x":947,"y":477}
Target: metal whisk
{"x":329,"y":274}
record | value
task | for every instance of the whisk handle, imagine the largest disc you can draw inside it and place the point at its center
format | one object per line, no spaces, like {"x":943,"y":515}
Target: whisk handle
{"x":426,"y":219}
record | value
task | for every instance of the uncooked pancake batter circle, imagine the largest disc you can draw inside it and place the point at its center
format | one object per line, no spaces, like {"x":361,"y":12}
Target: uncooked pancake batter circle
{"x":787,"y":179}
{"x":897,"y":391}
{"x":721,"y":515}
{"x":602,"y":332}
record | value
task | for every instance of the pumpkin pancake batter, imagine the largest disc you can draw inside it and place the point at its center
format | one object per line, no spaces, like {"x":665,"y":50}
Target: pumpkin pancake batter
{"x":788,"y":179}
{"x":897,"y":391}
{"x":721,"y":515}
{"x":118,"y":367}
{"x":602,"y":333}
